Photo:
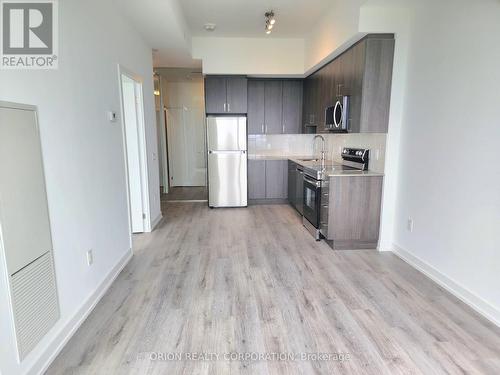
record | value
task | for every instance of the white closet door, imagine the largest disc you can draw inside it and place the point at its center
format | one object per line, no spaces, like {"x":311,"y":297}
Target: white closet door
{"x":24,"y":216}
{"x":186,"y":146}
{"x":24,"y":227}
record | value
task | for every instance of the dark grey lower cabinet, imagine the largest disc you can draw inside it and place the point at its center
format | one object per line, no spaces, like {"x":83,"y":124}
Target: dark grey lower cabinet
{"x":276,"y":179}
{"x":299,"y":191}
{"x":256,"y":179}
{"x":295,"y":186}
{"x":351,"y":218}
{"x":267,"y":180}
{"x":292,"y":186}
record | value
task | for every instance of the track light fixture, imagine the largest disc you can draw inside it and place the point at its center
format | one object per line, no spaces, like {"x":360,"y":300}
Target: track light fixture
{"x":270,"y":21}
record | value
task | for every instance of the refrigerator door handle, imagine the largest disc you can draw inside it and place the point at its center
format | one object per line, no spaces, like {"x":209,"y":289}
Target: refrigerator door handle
{"x":227,"y":151}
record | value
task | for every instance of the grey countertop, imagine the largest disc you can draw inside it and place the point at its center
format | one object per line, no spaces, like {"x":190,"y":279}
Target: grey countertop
{"x":277,"y":157}
{"x":333,"y":170}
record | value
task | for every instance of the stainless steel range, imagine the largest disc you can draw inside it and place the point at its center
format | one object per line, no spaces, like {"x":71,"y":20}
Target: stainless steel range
{"x":321,"y":173}
{"x":316,"y":183}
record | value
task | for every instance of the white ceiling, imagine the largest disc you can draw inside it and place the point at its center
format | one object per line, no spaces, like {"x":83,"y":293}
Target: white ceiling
{"x":162,"y":26}
{"x":245,"y":18}
{"x":167,"y":25}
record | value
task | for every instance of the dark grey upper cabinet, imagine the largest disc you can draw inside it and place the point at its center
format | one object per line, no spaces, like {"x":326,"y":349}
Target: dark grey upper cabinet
{"x":215,"y":94}
{"x":256,"y":107}
{"x":225,"y":95}
{"x":276,"y":179}
{"x":313,"y":116}
{"x":292,"y":107}
{"x":273,"y":107}
{"x":306,"y":105}
{"x":256,"y":179}
{"x":236,"y":94}
{"x":364,"y":73}
{"x":376,"y":90}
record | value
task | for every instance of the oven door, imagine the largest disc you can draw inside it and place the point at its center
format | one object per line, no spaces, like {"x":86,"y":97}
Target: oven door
{"x":312,"y":200}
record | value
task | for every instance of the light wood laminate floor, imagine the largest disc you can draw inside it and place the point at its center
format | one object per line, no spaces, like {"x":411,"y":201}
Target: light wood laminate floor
{"x":186,"y":193}
{"x":253,"y":280}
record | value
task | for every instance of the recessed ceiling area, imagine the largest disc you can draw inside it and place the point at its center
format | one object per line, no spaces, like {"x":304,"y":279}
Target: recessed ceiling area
{"x":245,"y":18}
{"x":180,"y":74}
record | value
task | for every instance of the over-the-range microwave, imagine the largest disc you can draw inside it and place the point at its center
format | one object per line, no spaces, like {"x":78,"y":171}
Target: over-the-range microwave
{"x":337,"y":116}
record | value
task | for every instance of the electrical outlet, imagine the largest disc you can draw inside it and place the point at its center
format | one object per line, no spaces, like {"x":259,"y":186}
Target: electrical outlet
{"x":90,"y":257}
{"x":409,"y":224}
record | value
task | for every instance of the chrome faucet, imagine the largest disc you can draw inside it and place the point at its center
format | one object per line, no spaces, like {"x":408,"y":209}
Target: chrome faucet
{"x":323,"y":152}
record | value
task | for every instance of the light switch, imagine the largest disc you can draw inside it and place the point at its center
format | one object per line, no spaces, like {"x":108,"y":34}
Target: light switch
{"x":112,"y":117}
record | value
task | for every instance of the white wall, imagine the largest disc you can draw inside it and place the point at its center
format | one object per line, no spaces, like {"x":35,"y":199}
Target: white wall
{"x":449,"y":180}
{"x":336,"y":27}
{"x":250,"y":56}
{"x":84,"y":160}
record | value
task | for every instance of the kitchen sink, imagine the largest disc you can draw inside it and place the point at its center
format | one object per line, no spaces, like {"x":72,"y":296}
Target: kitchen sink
{"x":308,"y":159}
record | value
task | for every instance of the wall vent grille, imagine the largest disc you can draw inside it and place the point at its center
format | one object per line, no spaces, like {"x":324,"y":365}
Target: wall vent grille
{"x":34,"y":302}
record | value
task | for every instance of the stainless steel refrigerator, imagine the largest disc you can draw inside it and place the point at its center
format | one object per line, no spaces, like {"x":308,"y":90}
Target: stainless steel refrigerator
{"x":227,"y":161}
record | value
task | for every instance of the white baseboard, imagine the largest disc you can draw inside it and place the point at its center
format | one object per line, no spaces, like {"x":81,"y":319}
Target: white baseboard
{"x":156,"y":221}
{"x":384,"y":246}
{"x":474,"y":301}
{"x":69,"y":329}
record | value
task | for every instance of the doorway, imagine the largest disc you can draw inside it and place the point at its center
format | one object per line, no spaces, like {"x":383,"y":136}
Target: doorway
{"x":184,"y":117}
{"x":135,"y":150}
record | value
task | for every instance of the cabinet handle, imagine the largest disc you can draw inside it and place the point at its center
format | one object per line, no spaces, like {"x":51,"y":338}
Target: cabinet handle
{"x":283,"y":128}
{"x":225,"y":107}
{"x":262,"y":128}
{"x":265,"y":126}
{"x":228,"y":107}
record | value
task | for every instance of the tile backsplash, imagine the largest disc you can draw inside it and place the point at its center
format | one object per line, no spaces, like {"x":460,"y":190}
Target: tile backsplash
{"x":302,"y":144}
{"x":280,"y":144}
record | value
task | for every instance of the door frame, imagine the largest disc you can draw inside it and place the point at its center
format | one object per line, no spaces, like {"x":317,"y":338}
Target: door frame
{"x":141,"y":123}
{"x":163,"y":147}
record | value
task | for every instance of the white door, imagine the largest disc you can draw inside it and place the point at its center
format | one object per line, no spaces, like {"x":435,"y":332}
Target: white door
{"x":135,"y":154}
{"x":186,"y":146}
